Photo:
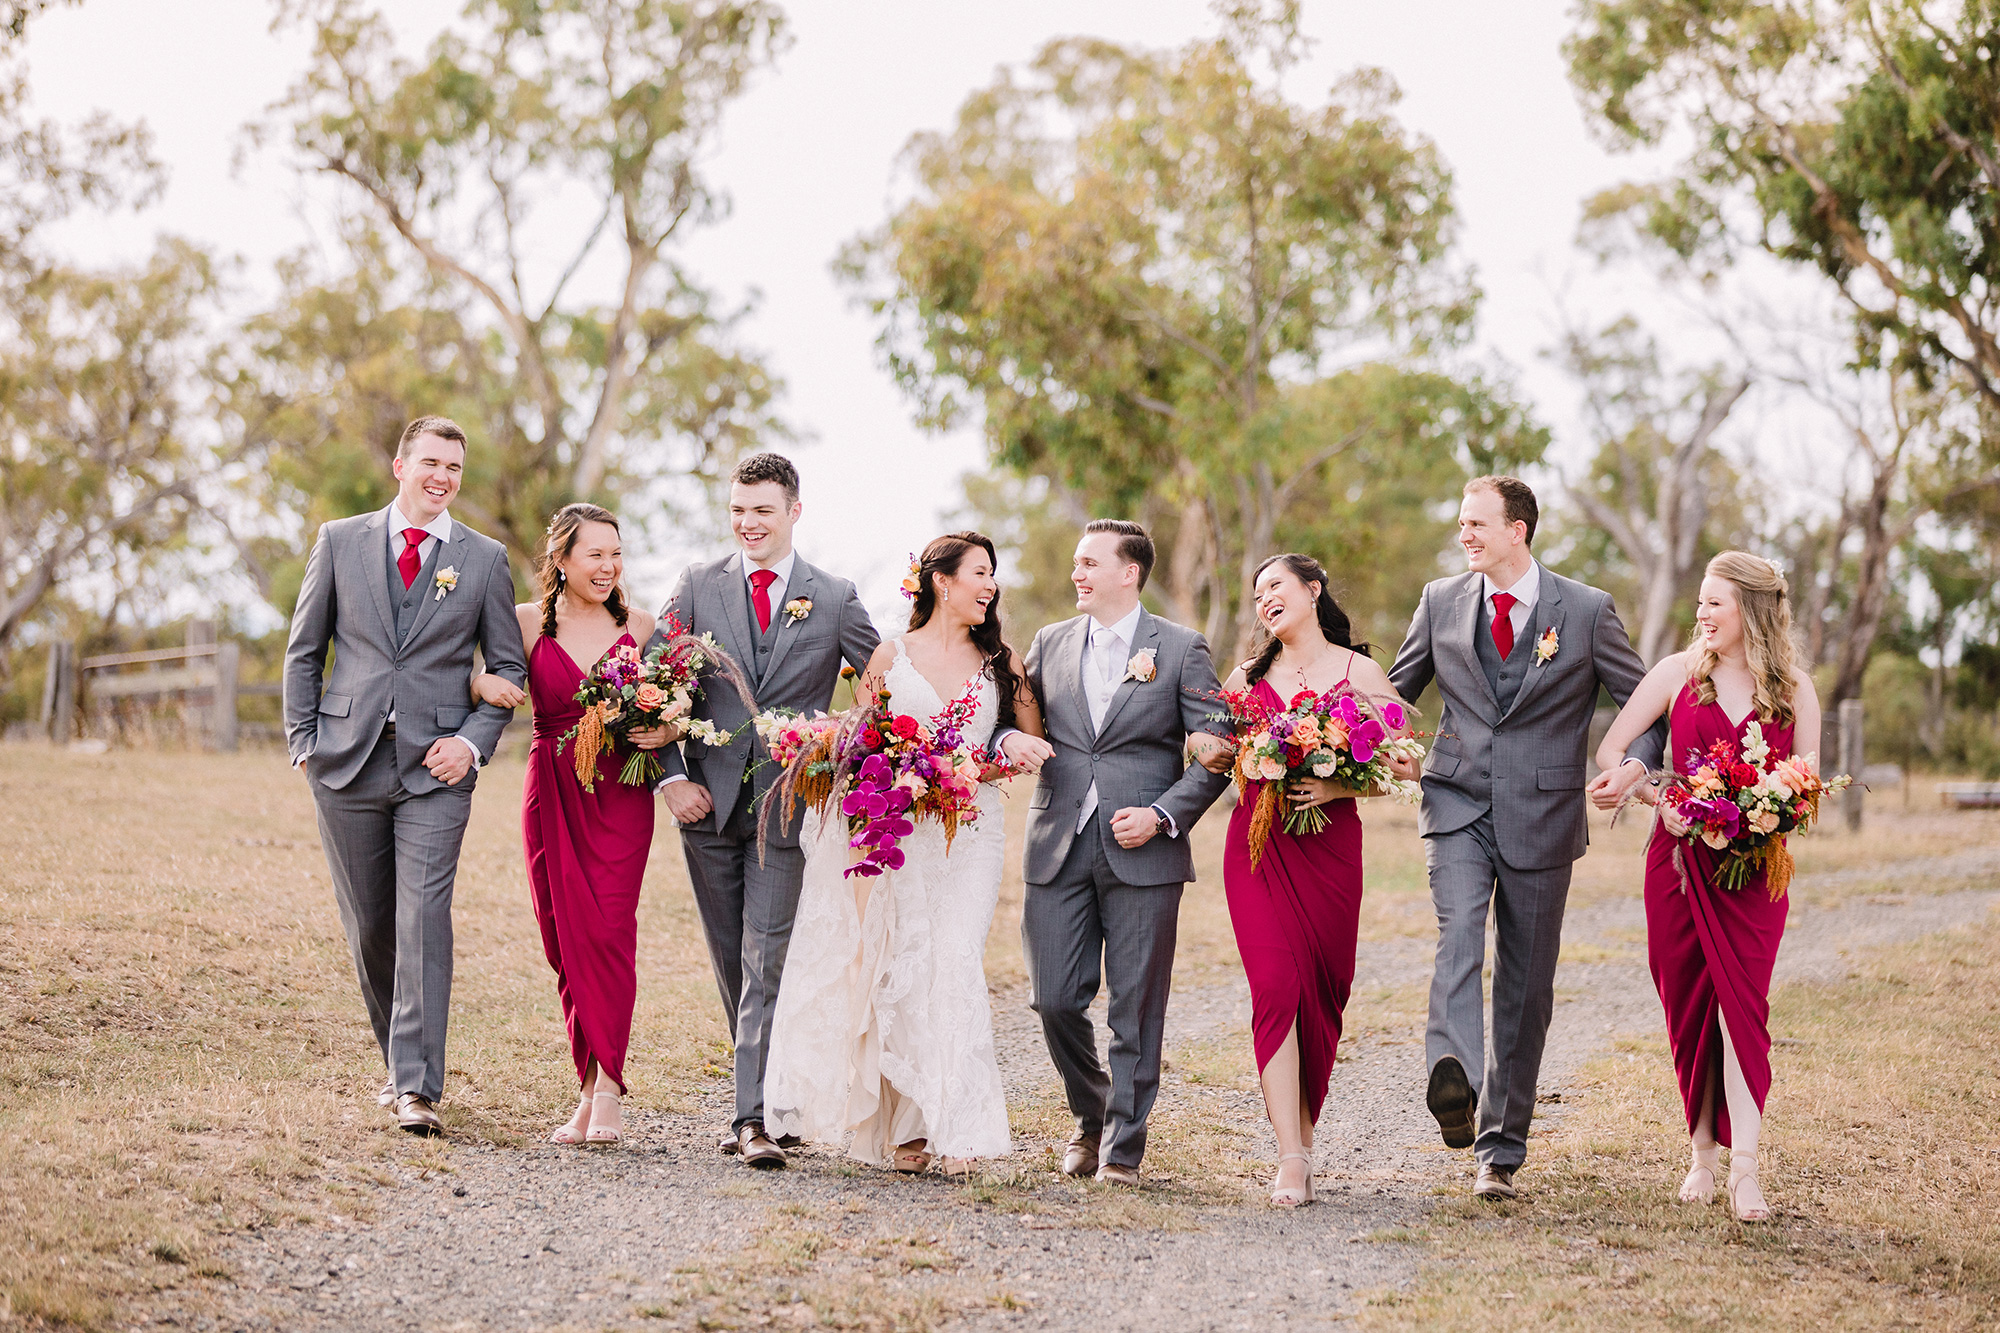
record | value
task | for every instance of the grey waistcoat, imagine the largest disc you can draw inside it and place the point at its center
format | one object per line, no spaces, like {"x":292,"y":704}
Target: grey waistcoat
{"x":408,"y":601}
{"x":1505,"y":677}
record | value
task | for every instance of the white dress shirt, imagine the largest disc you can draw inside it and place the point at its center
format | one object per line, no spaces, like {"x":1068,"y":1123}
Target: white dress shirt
{"x":1105,"y":655}
{"x":783,"y":569}
{"x":439,"y":529}
{"x":745,"y":567}
{"x":1525,"y":592}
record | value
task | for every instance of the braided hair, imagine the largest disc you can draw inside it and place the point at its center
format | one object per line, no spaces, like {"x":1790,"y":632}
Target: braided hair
{"x":557,"y":543}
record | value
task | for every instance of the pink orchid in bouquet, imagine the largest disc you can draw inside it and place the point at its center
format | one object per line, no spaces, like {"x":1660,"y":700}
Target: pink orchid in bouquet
{"x":1342,"y":736}
{"x":885,"y":769}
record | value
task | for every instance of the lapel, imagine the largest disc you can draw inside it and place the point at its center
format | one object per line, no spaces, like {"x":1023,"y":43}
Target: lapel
{"x":735,"y":596}
{"x":1145,"y":635}
{"x":801,"y":585}
{"x":1548,"y":615}
{"x":1067,"y":662}
{"x":375,"y":559}
{"x":1470,"y":611}
{"x":451,"y":555}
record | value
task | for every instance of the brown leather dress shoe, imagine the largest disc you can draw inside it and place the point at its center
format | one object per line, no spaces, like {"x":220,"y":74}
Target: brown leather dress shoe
{"x":1113,"y":1174}
{"x":754,"y":1146}
{"x":1080,"y":1158}
{"x":416,"y":1115}
{"x":1495,"y":1182}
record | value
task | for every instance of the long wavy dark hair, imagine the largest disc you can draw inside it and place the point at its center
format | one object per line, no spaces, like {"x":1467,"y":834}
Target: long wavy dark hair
{"x":557,"y":543}
{"x":1333,"y":621}
{"x":943,"y":556}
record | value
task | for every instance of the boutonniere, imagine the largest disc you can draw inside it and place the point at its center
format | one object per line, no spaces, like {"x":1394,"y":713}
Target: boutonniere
{"x":447,"y":579}
{"x":1142,"y":667}
{"x":798,"y":609}
{"x":1546,"y":647}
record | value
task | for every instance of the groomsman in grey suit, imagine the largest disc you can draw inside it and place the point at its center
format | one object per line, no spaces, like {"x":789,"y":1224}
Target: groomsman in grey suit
{"x":1122,"y":691}
{"x":393,"y":743}
{"x":1519,"y":655}
{"x":790,"y":625}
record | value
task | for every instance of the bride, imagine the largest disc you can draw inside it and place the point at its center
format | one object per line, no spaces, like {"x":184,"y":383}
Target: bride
{"x":883,"y":1035}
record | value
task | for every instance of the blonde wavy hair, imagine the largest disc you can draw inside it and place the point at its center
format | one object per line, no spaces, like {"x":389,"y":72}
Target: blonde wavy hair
{"x":1764,"y":601}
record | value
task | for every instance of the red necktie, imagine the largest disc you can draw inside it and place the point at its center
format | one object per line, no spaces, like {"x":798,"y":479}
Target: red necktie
{"x":1503,"y":622}
{"x":760,"y":595}
{"x":407,"y":562}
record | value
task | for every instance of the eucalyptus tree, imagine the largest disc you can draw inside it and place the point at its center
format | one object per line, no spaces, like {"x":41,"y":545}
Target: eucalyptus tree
{"x":1859,"y":139}
{"x":1139,"y":267}
{"x":539,"y":147}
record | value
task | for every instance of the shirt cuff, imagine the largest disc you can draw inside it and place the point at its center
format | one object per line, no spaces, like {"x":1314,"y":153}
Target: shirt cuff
{"x":1166,"y":821}
{"x":669,"y":780}
{"x":1635,"y":759}
{"x":478,"y":760}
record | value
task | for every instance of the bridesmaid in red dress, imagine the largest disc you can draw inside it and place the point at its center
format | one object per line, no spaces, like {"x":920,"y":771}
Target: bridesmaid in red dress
{"x":1711,"y":949}
{"x":1297,"y":913}
{"x":586,"y":850}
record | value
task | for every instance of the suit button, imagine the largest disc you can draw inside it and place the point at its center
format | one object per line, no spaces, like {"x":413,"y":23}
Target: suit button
{"x":399,"y":666}
{"x":1484,"y":774}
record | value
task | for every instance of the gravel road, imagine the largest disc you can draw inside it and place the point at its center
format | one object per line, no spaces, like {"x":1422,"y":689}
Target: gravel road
{"x":664,"y":1232}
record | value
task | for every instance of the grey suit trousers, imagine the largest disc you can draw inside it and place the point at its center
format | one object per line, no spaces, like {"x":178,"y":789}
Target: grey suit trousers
{"x":394,"y":859}
{"x":1467,"y":873}
{"x":1084,"y":912}
{"x":746,"y":912}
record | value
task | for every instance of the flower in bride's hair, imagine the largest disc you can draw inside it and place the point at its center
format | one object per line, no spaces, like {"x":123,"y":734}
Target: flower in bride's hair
{"x":913,"y":582}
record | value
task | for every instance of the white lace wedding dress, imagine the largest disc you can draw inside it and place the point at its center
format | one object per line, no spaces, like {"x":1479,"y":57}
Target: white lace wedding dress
{"x":883,"y":1032}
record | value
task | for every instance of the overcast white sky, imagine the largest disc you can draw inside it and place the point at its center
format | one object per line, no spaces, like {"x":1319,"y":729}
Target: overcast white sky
{"x":808,"y":158}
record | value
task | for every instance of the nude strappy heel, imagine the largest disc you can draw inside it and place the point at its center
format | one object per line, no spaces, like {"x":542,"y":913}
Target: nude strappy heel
{"x":1694,"y":1190}
{"x":909,"y":1159}
{"x":1739,"y":1176}
{"x":602,"y":1133}
{"x":567,"y":1134}
{"x":1290,"y":1197}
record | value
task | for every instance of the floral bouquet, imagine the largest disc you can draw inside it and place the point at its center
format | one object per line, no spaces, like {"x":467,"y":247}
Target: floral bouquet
{"x":883,"y":769}
{"x":1743,"y":803}
{"x":628,"y":691}
{"x":1342,"y":736}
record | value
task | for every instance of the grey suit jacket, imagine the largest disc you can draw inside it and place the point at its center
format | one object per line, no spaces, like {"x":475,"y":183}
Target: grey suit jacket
{"x":425,"y":680}
{"x":1135,"y":759}
{"x":804,"y":667}
{"x":1525,"y":763}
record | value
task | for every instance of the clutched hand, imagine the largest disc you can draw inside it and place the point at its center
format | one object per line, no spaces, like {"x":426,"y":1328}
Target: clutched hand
{"x":488,"y":688}
{"x":1025,"y":753}
{"x":1212,"y":752}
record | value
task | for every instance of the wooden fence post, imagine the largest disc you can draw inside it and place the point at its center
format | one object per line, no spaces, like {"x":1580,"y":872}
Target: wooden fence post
{"x":1852,"y":760}
{"x":59,"y":692}
{"x":223,"y":721}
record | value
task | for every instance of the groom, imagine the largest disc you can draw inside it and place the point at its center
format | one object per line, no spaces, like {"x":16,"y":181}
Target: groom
{"x":393,"y":745}
{"x":1519,"y":655}
{"x":789,"y":625}
{"x":1107,"y":854}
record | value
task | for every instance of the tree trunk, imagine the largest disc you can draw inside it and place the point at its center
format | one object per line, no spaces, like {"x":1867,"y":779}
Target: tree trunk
{"x":1871,"y":584}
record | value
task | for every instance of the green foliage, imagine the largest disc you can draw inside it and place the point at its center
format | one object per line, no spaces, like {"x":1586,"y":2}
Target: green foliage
{"x":1860,"y":138}
{"x":1136,"y":266}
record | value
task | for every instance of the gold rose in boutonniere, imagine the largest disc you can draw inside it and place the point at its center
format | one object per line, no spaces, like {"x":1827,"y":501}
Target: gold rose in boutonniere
{"x":1142,"y":668}
{"x":1546,"y":646}
{"x":798,"y":609}
{"x":447,"y":579}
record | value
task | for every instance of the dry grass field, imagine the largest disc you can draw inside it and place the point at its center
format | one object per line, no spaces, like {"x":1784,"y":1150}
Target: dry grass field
{"x":184,"y":1055}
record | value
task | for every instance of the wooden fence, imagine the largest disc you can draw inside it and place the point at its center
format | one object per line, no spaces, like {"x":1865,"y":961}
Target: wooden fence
{"x":114,"y":695}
